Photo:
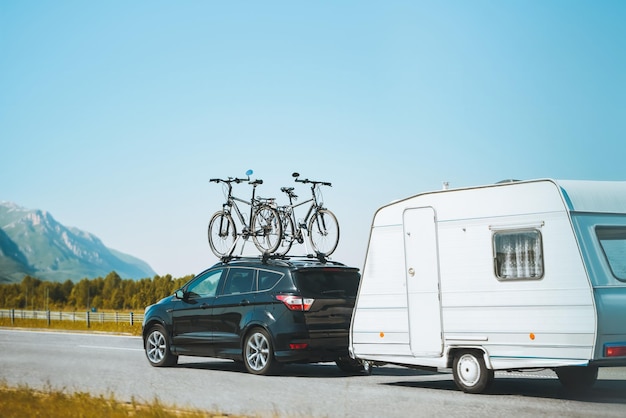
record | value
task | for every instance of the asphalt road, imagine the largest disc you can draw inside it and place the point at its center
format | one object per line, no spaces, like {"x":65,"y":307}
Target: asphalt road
{"x":106,"y":364}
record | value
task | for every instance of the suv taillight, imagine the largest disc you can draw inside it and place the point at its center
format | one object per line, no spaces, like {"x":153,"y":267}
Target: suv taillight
{"x":296,"y":303}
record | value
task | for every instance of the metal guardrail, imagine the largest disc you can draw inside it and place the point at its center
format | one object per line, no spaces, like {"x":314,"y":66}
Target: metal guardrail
{"x":86,"y":317}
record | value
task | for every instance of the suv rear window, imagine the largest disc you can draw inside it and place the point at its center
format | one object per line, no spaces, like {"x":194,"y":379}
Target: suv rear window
{"x":327,"y":283}
{"x":268,"y":279}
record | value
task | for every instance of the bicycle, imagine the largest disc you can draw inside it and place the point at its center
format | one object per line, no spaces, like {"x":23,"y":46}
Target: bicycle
{"x":320,"y":223}
{"x":263,"y":226}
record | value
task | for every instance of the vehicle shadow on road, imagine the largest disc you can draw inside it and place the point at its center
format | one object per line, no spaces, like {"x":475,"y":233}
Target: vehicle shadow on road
{"x":309,"y":370}
{"x":215,"y":365}
{"x":604,"y":391}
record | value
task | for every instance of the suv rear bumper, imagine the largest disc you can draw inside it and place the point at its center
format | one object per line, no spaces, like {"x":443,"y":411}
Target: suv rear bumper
{"x":313,"y":350}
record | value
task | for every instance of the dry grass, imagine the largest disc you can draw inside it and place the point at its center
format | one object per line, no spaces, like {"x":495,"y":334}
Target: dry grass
{"x":95,"y":326}
{"x":25,"y":402}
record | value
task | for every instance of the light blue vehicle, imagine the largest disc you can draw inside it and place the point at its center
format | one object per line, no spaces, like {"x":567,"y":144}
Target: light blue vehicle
{"x":511,"y":276}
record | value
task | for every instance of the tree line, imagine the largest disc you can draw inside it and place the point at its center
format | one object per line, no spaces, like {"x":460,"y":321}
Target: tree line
{"x":111,"y":292}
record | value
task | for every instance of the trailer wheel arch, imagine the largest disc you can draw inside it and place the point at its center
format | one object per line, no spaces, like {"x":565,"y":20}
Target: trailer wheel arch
{"x":452,"y":352}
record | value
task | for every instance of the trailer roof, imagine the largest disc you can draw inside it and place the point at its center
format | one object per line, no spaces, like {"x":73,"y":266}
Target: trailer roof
{"x":594,"y":196}
{"x":514,"y":197}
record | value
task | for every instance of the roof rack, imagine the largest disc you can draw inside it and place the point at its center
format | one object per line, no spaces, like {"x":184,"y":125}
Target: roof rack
{"x":265,"y":258}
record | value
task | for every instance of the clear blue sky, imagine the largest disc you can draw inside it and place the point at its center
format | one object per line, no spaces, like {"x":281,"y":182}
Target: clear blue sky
{"x":114,"y":115}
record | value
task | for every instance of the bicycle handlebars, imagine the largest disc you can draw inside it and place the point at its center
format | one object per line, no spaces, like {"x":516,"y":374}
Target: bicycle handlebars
{"x":237,"y":180}
{"x":314,"y":182}
{"x":323,"y":183}
{"x":259,"y":181}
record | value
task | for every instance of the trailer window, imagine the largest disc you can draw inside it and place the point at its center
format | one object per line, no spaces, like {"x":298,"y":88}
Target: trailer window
{"x":613,"y":242}
{"x":518,"y":255}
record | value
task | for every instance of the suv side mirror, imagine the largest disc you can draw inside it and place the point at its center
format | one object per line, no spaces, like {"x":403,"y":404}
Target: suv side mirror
{"x":180,"y":294}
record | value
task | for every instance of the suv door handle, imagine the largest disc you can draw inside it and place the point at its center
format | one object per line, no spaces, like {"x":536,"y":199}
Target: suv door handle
{"x":204,"y":305}
{"x":244,"y":302}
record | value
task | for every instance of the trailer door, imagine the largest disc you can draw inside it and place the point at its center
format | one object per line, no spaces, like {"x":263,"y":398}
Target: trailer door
{"x":422,"y":281}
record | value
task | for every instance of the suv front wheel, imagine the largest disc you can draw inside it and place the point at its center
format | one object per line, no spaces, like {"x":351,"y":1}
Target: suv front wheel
{"x":157,"y":348}
{"x":258,"y":352}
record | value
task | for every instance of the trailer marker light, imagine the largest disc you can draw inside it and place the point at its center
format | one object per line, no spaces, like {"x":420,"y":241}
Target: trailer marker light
{"x":615,"y":350}
{"x":382,"y":334}
{"x":532,"y":336}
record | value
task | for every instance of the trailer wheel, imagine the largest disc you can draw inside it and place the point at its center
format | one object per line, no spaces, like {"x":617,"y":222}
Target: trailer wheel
{"x":470,"y":373}
{"x":577,"y":378}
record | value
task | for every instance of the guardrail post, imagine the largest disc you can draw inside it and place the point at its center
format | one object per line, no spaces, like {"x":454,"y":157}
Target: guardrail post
{"x":48,"y":317}
{"x":132,"y":322}
{"x":87,"y":319}
{"x":12,"y":316}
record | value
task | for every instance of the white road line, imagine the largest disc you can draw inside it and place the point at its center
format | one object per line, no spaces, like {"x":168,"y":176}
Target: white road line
{"x":99,"y":347}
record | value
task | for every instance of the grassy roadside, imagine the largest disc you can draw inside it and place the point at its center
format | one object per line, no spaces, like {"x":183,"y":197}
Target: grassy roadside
{"x":26,"y":402}
{"x":94,"y":326}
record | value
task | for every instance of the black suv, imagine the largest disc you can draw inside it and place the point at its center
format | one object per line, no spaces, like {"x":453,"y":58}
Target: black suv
{"x":262,"y":312}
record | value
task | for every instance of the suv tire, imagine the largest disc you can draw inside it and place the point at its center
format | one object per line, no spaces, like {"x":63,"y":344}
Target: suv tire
{"x":157,"y":348}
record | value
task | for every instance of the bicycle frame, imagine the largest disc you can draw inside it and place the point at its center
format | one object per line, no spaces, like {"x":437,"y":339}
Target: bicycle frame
{"x":231,"y":203}
{"x":320,"y":224}
{"x":314,"y":206}
{"x":261,"y":223}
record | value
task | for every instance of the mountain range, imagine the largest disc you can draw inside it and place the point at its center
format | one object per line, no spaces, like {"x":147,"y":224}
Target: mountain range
{"x":33,"y":243}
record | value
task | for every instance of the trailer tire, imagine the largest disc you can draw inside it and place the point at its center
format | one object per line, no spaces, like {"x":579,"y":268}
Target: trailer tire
{"x":470,"y":373}
{"x":577,"y":378}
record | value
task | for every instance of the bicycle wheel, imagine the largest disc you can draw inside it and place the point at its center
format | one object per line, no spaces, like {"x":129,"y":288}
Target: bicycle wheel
{"x":266,"y":229}
{"x":222,"y":234}
{"x":289,"y":231}
{"x":324,"y":232}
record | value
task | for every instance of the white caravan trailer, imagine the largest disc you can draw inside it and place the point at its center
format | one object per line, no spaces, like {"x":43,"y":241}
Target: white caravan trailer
{"x":510,"y":276}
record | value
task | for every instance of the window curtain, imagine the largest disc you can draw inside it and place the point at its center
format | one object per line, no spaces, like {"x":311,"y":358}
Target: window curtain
{"x":519,"y":255}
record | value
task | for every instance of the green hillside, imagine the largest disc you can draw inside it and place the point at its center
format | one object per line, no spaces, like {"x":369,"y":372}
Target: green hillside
{"x":32,"y":242}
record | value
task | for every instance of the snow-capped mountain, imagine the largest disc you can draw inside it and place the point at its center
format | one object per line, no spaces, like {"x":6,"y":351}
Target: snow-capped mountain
{"x":33,"y":242}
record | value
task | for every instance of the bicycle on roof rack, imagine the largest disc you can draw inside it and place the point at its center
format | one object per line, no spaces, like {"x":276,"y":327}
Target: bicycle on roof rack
{"x":263,"y":223}
{"x":320,"y":224}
